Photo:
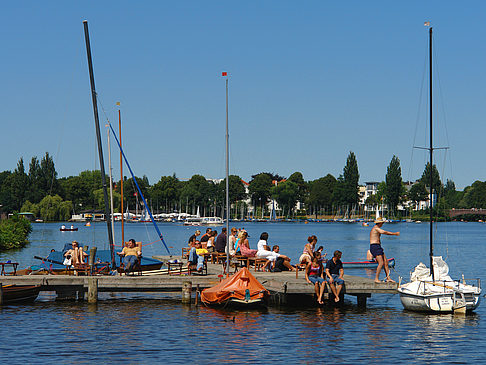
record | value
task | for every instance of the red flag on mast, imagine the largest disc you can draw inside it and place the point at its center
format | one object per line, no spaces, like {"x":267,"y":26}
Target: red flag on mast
{"x":224,"y":73}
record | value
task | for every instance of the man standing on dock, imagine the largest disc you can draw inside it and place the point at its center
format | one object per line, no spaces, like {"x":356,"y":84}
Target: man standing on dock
{"x":377,"y":251}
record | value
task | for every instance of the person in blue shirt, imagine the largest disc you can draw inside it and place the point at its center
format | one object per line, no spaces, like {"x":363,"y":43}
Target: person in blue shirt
{"x":334,"y":274}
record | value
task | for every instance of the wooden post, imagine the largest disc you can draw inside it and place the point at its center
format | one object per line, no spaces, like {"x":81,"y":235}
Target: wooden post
{"x":186,"y":292}
{"x":197,"y":295}
{"x":1,"y":294}
{"x":92,"y":289}
{"x":91,"y":259}
{"x":362,"y":299}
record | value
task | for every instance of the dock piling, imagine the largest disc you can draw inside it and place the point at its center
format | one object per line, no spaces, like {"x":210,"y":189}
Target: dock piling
{"x":92,"y":289}
{"x":1,"y":294}
{"x":186,"y":292}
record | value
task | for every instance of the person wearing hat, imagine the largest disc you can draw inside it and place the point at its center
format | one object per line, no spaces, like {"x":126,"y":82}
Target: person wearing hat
{"x":377,"y":251}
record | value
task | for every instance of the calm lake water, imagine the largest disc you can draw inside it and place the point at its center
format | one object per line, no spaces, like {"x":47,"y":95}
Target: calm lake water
{"x":155,"y":328}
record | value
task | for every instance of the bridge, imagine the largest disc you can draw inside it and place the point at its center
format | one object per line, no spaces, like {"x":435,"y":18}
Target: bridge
{"x":476,"y":211}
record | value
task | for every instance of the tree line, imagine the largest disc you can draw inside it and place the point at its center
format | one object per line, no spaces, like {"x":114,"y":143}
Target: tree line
{"x":40,"y":191}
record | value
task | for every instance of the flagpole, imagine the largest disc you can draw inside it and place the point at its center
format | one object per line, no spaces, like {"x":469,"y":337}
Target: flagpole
{"x":225,"y":74}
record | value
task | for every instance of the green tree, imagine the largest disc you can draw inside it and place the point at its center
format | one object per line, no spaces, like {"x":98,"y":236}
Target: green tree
{"x":15,"y":185}
{"x":130,"y":191}
{"x":260,"y":187}
{"x":236,"y":190}
{"x":303,"y":188}
{"x":14,"y":232}
{"x":425,"y":179}
{"x":393,"y":183}
{"x":31,"y":208}
{"x":452,"y":197}
{"x":166,"y":191}
{"x":418,"y":192}
{"x":321,"y":191}
{"x":46,"y":179}
{"x":475,"y":195}
{"x":286,"y":194}
{"x":35,"y":192}
{"x":350,"y":180}
{"x":197,"y":191}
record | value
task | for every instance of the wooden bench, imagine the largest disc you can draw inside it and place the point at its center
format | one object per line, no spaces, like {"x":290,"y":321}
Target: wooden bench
{"x":258,"y":264}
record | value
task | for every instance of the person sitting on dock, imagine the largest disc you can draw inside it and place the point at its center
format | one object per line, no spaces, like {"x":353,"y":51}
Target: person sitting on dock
{"x":232,"y":241}
{"x":264,"y":250}
{"x":76,"y":254}
{"x":314,"y":275}
{"x":210,"y":244}
{"x":282,"y":263}
{"x":205,"y":236}
{"x":377,"y":251}
{"x":196,"y":256}
{"x":131,"y":255}
{"x":244,"y":246}
{"x":220,"y":244}
{"x":193,"y":238}
{"x":334,"y":274}
{"x":308,"y":253}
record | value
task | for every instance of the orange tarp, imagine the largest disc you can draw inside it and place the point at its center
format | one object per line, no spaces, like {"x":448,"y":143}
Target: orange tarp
{"x":234,"y":287}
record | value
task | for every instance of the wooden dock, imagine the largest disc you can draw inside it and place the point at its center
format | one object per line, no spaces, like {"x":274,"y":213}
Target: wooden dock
{"x":284,"y":286}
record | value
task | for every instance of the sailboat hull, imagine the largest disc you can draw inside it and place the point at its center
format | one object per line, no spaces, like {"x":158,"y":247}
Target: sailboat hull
{"x":446,"y":302}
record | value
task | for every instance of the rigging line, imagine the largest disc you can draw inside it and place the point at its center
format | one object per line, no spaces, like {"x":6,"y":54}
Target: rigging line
{"x":140,"y":191}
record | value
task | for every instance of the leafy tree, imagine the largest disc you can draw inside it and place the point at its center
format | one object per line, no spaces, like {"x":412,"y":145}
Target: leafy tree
{"x":452,"y":197}
{"x":350,"y":180}
{"x":260,"y":187}
{"x":418,"y":192}
{"x":15,"y":187}
{"x":321,"y":191}
{"x":425,"y":179}
{"x":166,"y":190}
{"x":393,"y":183}
{"x":475,"y":195}
{"x":46,"y":176}
{"x":197,"y":191}
{"x":130,"y":191}
{"x":31,"y":208}
{"x":236,"y":190}
{"x":298,"y":178}
{"x":35,"y":192}
{"x":286,"y":194}
{"x":14,"y":232}
{"x":100,"y":200}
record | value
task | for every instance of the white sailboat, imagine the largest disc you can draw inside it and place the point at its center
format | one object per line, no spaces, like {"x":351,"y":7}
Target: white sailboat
{"x":434,"y":290}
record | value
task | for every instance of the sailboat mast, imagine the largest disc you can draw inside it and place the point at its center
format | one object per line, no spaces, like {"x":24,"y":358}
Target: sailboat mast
{"x":111,"y":186}
{"x":121,"y":179}
{"x":431,"y":161}
{"x":227,"y":183}
{"x":98,"y":138}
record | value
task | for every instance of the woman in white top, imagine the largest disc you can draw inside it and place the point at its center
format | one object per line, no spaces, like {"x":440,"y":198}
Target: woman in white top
{"x":264,"y":250}
{"x":232,"y":241}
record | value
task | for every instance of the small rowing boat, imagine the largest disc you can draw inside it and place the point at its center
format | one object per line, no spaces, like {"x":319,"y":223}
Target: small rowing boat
{"x":68,"y":229}
{"x":20,"y":293}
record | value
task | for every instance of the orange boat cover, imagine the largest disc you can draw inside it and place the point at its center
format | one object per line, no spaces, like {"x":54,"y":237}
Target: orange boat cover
{"x":234,"y":287}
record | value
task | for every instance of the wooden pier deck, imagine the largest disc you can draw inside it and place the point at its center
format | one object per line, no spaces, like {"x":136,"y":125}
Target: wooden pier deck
{"x":284,"y":286}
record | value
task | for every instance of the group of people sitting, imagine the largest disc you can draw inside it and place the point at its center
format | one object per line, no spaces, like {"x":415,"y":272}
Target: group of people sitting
{"x":238,"y":245}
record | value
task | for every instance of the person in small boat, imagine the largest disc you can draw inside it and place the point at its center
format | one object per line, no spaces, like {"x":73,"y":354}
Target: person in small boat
{"x":232,"y":241}
{"x":334,"y":274}
{"x":282,"y":263}
{"x":72,"y":227}
{"x":130,"y":254}
{"x":63,"y":227}
{"x":193,"y":238}
{"x":308,"y":253}
{"x":377,"y":251}
{"x":315,"y":275}
{"x":220,"y":243}
{"x":205,"y":237}
{"x":244,"y":246}
{"x":76,"y":255}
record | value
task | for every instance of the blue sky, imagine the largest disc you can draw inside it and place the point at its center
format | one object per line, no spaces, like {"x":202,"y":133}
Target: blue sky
{"x":309,"y":82}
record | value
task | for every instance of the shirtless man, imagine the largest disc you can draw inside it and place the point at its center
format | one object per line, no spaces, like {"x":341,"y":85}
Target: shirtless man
{"x":376,"y":249}
{"x":76,"y":254}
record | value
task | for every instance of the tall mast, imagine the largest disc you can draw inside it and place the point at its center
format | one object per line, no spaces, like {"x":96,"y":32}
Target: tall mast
{"x":98,"y":138}
{"x":227,"y":181}
{"x":111,"y":184}
{"x":121,"y":178}
{"x":431,"y":161}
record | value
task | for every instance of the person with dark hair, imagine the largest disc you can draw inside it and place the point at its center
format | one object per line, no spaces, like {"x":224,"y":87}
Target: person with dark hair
{"x":193,"y":239}
{"x":308,"y":253}
{"x":314,"y":275}
{"x":334,"y":274}
{"x":263,"y":250}
{"x":130,"y":254}
{"x":205,"y":237}
{"x":232,"y":241}
{"x":210,"y":244}
{"x":282,"y":263}
{"x":220,"y":244}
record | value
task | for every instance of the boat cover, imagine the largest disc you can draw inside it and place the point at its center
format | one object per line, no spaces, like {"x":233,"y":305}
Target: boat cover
{"x":234,"y":287}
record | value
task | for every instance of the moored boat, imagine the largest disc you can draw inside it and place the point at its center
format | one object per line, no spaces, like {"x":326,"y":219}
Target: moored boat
{"x":241,"y":289}
{"x":20,"y":293}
